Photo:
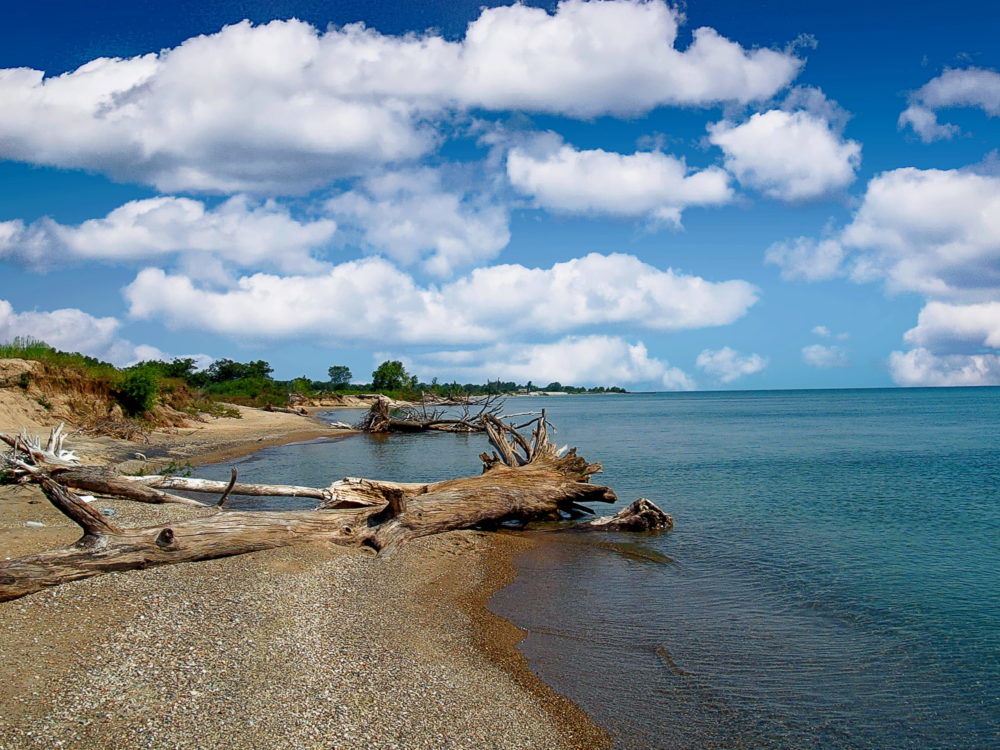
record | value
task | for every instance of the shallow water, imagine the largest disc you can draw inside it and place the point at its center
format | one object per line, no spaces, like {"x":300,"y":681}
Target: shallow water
{"x":831,"y":581}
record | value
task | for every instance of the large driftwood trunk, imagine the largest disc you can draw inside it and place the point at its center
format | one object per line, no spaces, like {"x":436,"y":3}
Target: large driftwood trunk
{"x":525,"y":481}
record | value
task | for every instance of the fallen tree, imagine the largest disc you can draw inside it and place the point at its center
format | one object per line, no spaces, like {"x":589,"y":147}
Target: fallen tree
{"x":468,"y":415}
{"x":522,"y":481}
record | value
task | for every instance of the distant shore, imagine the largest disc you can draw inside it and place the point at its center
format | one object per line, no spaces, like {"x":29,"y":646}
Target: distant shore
{"x":293,"y":647}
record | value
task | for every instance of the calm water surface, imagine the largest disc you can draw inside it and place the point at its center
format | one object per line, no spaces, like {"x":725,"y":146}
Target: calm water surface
{"x":832,"y":581}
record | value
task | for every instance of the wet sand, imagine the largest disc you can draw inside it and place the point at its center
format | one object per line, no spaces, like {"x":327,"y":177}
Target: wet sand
{"x":298,"y":647}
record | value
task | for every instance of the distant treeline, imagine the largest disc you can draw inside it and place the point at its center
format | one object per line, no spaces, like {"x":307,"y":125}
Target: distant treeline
{"x":252,"y":384}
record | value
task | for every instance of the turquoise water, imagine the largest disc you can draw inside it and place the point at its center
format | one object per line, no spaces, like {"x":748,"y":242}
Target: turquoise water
{"x":831,"y":582}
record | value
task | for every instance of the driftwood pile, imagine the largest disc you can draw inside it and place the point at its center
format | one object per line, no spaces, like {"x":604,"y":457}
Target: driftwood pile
{"x":523,"y":480}
{"x":466,"y":415}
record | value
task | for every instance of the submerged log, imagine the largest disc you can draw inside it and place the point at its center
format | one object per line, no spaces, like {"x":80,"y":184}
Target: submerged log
{"x":524,"y":481}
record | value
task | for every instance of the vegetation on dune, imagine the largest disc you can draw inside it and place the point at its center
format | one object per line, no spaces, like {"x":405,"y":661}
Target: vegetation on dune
{"x":141,"y":389}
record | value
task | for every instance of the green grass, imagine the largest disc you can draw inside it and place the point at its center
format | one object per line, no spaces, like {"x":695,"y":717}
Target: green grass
{"x":25,"y":347}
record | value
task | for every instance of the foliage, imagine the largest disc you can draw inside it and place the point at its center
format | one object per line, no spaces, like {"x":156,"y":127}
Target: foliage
{"x":392,"y":376}
{"x":137,"y":391}
{"x":174,"y":469}
{"x":251,"y":391}
{"x":26,"y":347}
{"x":340,"y":377}
{"x":181,"y":369}
{"x":223,"y":370}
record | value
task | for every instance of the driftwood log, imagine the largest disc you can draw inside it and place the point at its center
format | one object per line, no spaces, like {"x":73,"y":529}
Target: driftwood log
{"x":523,"y":481}
{"x":468,"y":415}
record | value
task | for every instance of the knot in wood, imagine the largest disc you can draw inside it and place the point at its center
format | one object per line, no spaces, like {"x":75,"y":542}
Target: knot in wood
{"x":165,"y":538}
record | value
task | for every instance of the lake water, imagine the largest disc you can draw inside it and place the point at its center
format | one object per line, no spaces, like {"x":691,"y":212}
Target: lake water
{"x":832,"y":580}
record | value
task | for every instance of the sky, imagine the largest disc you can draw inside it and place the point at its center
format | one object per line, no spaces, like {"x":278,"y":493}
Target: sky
{"x":714,"y":195}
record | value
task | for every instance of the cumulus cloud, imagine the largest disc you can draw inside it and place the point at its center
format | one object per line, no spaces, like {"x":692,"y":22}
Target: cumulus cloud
{"x":283,"y":107}
{"x":593,"y":58}
{"x":936,"y":232}
{"x":932,"y":231}
{"x":573,"y":360}
{"x":649,"y":183}
{"x":727,"y":365}
{"x":410,"y":217}
{"x":371,"y":299}
{"x":942,"y":326}
{"x":73,"y":330}
{"x":920,"y":367}
{"x":240,"y":231}
{"x":966,"y":87}
{"x":824,"y":357}
{"x":791,"y":156}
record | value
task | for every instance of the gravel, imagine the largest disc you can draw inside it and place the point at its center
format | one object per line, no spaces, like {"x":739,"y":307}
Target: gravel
{"x":301,"y":647}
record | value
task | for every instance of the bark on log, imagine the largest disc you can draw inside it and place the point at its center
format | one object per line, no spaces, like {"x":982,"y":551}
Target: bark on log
{"x":538,"y":483}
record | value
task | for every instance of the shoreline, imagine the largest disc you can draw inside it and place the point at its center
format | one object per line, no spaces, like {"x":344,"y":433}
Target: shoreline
{"x":442,"y":591}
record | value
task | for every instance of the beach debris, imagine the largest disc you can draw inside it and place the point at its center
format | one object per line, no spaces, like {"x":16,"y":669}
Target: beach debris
{"x":53,"y":454}
{"x":457,"y":415}
{"x":34,"y":524}
{"x":525,"y":479}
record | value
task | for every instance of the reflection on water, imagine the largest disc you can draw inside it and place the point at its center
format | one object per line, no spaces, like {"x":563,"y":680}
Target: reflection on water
{"x":831,"y":581}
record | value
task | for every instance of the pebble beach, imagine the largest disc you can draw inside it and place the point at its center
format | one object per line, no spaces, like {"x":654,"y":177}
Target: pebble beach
{"x":300,"y":647}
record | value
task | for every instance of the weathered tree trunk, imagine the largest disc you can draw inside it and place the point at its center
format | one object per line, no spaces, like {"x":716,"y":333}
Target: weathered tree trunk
{"x":345,"y":493}
{"x":526,"y":481}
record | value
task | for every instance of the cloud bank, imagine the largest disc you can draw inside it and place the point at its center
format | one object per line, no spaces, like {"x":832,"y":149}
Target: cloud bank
{"x":933,"y":232}
{"x":240,"y":230}
{"x":283,"y":107}
{"x":372,"y":300}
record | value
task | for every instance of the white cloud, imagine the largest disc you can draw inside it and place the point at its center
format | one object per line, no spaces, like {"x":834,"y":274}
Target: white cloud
{"x":936,"y":232}
{"x":806,"y":259}
{"x":239,"y":230}
{"x":826,"y":333}
{"x":942,"y":326}
{"x":920,"y":367}
{"x":967,"y":87}
{"x":370,"y":299}
{"x":412,"y":218}
{"x":595,"y":181}
{"x":283,"y":107}
{"x":787,"y":155}
{"x":574,"y":360}
{"x":73,"y":330}
{"x":593,"y":58}
{"x":824,"y":357}
{"x":932,"y":231}
{"x":727,"y":365}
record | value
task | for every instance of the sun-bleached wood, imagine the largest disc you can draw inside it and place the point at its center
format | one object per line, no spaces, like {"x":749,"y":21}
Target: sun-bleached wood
{"x":526,"y":481}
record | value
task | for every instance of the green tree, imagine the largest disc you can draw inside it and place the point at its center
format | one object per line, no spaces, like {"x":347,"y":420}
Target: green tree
{"x":390,"y":376}
{"x":222,"y":370}
{"x":340,"y":377}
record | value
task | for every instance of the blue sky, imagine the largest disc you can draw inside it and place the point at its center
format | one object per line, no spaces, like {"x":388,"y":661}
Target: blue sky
{"x":716,"y":195}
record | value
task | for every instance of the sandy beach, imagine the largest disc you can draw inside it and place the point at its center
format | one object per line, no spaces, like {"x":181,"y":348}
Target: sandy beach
{"x":301,"y":647}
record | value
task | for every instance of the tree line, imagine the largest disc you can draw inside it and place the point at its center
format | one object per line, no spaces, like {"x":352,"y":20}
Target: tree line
{"x":139,"y":386}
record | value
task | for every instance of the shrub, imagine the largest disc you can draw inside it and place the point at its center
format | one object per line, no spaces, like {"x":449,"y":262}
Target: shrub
{"x":136,"y":392}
